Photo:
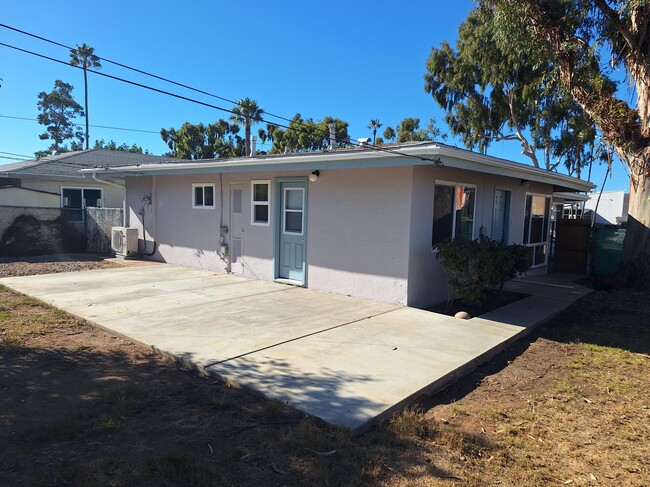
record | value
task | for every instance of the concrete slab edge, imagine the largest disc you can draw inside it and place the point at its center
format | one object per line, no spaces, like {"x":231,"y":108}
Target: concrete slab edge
{"x":443,"y":382}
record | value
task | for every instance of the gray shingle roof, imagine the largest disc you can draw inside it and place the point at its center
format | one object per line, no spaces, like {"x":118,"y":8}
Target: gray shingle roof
{"x":69,"y":163}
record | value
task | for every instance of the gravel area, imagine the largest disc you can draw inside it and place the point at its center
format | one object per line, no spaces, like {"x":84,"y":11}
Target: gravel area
{"x":49,"y":264}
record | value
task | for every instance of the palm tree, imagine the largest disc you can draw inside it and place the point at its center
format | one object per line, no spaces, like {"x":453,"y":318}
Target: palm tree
{"x":247,"y":112}
{"x":84,"y":56}
{"x":374,"y":125}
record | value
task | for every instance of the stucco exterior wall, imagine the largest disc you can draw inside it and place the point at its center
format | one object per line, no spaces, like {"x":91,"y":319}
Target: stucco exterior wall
{"x":357,"y":227}
{"x":368,"y":230}
{"x":427,"y":280}
{"x":358,"y":232}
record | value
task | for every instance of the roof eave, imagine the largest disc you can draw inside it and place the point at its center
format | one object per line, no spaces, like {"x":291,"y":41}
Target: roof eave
{"x":360,"y":158}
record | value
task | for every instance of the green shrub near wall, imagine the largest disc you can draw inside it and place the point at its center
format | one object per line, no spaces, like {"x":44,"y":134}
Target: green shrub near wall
{"x":472,"y":266}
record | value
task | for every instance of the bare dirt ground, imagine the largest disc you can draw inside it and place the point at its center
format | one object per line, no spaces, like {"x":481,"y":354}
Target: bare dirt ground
{"x":49,"y":264}
{"x":569,"y":405}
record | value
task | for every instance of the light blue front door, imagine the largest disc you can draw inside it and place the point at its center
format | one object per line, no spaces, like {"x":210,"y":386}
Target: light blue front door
{"x":291,"y":245}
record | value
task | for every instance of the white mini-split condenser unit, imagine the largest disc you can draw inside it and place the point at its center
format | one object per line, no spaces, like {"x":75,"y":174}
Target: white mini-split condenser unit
{"x":124,"y":241}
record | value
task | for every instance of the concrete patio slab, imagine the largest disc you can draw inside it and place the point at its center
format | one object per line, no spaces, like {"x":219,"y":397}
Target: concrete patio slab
{"x":348,"y":361}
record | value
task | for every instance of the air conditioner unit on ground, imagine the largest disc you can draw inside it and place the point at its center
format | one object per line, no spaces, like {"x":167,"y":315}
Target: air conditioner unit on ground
{"x":124,"y":241}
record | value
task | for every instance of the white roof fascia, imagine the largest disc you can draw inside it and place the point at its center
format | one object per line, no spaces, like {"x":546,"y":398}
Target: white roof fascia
{"x":561,"y":195}
{"x":358,"y":158}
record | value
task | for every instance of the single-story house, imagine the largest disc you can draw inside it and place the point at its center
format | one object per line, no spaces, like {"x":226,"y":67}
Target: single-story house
{"x":55,"y":181}
{"x":360,"y":222}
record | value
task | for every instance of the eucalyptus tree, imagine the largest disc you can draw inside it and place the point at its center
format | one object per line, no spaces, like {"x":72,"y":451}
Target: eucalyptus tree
{"x":58,"y":112}
{"x":493,"y":92}
{"x":374,"y":125}
{"x":84,"y":56}
{"x":579,"y":44}
{"x":247,"y":113}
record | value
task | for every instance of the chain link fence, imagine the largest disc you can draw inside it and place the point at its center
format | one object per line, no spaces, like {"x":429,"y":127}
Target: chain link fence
{"x":31,"y":231}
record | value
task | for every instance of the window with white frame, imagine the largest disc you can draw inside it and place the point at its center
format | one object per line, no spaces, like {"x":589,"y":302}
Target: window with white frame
{"x":260,"y":204}
{"x":536,"y":228}
{"x":453,"y":212}
{"x":74,"y":200}
{"x":203,"y":195}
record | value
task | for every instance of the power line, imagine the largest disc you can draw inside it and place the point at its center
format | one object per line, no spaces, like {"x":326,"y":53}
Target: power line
{"x":95,"y":126}
{"x":182,"y":85}
{"x":437,"y":161}
{"x":13,"y":154}
{"x":14,"y":158}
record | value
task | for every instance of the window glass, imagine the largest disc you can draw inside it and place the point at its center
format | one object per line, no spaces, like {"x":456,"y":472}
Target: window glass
{"x":464,"y":212}
{"x":260,"y":192}
{"x":198,"y":196}
{"x":72,"y":198}
{"x":203,"y":195}
{"x":260,"y":203}
{"x":93,"y":197}
{"x":453,"y":212}
{"x":261,"y":214}
{"x":536,"y":225}
{"x":208,"y":195}
{"x":443,"y":207}
{"x":540,"y":255}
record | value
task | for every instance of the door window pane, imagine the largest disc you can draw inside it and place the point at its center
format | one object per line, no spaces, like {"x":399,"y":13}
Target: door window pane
{"x":293,"y":221}
{"x":293,"y":199}
{"x":536,"y":225}
{"x":501,"y":215}
{"x":237,"y":201}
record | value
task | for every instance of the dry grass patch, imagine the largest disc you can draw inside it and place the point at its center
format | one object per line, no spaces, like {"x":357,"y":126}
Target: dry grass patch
{"x":82,"y":406}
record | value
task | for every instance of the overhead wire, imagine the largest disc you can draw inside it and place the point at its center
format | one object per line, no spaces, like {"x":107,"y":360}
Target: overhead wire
{"x":13,"y":158}
{"x":191,"y":100}
{"x":13,"y":154}
{"x":82,"y":126}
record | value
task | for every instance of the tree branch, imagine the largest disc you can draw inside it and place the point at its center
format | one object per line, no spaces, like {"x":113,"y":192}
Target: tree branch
{"x":613,"y":16}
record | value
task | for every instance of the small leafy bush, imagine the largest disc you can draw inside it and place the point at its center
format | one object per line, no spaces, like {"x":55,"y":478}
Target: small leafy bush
{"x":472,"y":266}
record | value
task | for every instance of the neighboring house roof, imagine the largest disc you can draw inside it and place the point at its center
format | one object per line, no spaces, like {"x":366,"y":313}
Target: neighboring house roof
{"x":393,"y":155}
{"x":68,"y":164}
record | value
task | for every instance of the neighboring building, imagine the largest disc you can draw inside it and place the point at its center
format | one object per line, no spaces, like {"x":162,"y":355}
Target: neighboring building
{"x":358,"y":222}
{"x":612,"y":207}
{"x":55,"y":181}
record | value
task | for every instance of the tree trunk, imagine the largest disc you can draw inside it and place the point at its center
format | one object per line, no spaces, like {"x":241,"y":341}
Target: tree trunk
{"x":86,"y":103}
{"x":247,"y":135}
{"x":635,"y":267}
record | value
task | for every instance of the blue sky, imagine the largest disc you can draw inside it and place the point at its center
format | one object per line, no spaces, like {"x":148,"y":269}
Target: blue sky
{"x":360,"y":61}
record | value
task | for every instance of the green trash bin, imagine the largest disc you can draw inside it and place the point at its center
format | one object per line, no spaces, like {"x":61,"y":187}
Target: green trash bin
{"x":606,"y":249}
